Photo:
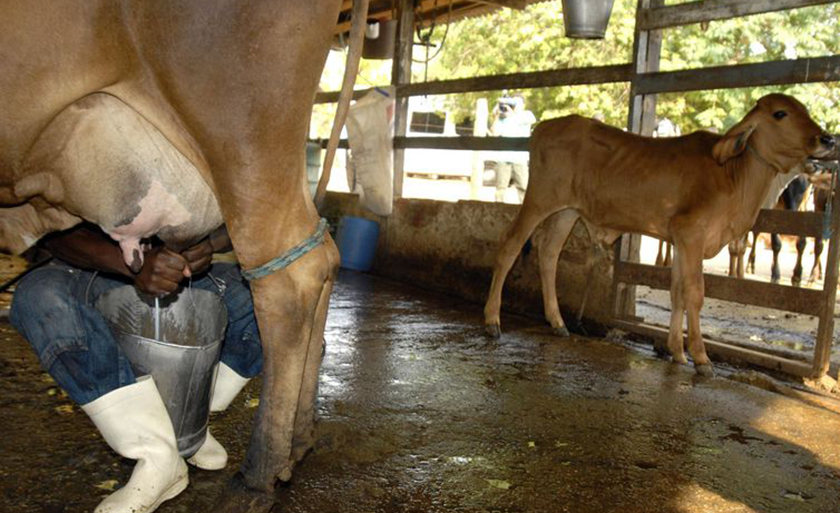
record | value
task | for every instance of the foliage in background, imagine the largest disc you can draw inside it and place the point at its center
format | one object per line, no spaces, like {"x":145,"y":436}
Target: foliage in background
{"x":512,"y":41}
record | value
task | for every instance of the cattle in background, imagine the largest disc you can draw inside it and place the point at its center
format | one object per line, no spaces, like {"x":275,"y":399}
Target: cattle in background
{"x":164,"y":118}
{"x":738,"y":247}
{"x":809,"y":180}
{"x":821,"y":192}
{"x":698,"y":191}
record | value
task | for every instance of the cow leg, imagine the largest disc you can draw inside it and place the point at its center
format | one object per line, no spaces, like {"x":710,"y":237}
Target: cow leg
{"x":660,"y":254}
{"x":675,"y":332}
{"x":287,"y":305}
{"x":776,"y":244}
{"x":733,"y":258}
{"x":304,"y":436}
{"x":816,"y":269}
{"x":751,"y":259}
{"x":551,"y":239}
{"x":668,"y":249}
{"x":796,"y":279}
{"x":737,"y":249}
{"x":512,"y":240}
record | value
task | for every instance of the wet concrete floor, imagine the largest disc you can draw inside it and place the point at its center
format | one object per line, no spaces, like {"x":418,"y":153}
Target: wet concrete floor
{"x":419,"y":412}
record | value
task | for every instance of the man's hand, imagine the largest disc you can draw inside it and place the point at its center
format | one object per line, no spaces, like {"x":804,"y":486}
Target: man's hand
{"x":162,"y":272}
{"x":199,"y":256}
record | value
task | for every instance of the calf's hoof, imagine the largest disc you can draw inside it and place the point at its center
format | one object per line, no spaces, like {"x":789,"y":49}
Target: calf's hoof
{"x":705,"y":369}
{"x":493,"y":330}
{"x":560,"y":332}
{"x":679,"y":358}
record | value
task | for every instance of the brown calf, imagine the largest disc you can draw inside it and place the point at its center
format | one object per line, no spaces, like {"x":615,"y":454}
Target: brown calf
{"x":698,"y":191}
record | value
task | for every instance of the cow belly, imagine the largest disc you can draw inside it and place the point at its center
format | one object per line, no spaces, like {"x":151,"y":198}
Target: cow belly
{"x":102,"y":161}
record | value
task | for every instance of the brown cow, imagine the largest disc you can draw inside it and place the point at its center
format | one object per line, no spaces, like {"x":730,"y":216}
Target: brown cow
{"x":698,"y":191}
{"x":168,"y":118}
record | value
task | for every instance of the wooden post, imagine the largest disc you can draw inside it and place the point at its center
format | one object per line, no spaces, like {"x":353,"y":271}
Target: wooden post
{"x":647,"y":46}
{"x":479,"y":130}
{"x":825,"y":329}
{"x":401,"y":75}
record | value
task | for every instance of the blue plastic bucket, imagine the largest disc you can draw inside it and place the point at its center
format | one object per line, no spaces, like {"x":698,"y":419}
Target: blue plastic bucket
{"x":356,"y":239}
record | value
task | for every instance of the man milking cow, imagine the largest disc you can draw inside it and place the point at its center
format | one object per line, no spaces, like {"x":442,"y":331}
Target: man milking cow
{"x":53,"y":308}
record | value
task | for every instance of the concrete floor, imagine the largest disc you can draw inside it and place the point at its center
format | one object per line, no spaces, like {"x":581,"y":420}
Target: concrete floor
{"x":419,"y":412}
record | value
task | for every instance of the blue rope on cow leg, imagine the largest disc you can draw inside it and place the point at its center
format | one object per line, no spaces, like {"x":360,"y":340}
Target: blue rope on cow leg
{"x":826,"y":231}
{"x":287,"y":258}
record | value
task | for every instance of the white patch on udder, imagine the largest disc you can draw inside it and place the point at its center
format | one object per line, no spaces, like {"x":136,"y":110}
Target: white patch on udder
{"x":158,"y":208}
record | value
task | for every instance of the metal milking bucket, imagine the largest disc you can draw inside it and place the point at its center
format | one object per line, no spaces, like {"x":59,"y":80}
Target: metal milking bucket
{"x":182,"y":358}
{"x":586,"y":19}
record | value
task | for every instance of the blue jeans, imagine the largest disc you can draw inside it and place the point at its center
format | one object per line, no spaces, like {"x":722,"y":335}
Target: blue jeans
{"x":52,"y":308}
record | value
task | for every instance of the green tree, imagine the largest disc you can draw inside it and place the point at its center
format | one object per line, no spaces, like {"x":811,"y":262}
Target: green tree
{"x":511,"y":41}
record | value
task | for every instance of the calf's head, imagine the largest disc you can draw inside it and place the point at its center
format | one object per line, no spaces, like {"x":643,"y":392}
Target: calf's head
{"x":779,"y":130}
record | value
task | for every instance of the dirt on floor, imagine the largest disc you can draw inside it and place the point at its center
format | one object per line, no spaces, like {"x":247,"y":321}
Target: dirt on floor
{"x":419,"y":412}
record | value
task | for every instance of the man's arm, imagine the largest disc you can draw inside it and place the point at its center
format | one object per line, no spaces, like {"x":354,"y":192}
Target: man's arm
{"x":87,"y":247}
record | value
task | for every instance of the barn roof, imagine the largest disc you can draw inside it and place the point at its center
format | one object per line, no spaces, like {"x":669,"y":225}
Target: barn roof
{"x":431,"y":11}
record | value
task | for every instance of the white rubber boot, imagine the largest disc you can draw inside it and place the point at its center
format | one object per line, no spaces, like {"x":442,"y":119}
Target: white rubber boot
{"x":135,"y":424}
{"x":211,"y":455}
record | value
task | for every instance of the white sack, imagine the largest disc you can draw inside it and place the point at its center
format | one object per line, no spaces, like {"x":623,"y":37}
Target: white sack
{"x":370,"y":128}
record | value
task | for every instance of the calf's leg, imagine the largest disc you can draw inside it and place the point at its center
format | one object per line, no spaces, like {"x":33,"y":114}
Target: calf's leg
{"x":690,"y":258}
{"x":527,"y":219}
{"x":552,"y":237}
{"x":675,"y":332}
{"x":737,"y":248}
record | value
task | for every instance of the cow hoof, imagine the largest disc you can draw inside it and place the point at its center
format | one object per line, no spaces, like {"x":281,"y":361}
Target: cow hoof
{"x":560,"y":332}
{"x":705,"y":369}
{"x":301,"y":448}
{"x":493,"y":330}
{"x":237,"y":497}
{"x":680,"y":359}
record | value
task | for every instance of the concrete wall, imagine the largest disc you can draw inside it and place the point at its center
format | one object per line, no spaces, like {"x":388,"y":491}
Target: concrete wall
{"x":451,"y":247}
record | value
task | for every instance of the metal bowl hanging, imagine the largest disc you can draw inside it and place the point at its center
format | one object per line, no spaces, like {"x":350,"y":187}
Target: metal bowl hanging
{"x":379,"y":39}
{"x":586,"y":19}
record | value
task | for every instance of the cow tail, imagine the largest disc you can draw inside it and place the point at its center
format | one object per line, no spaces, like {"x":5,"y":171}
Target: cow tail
{"x":351,"y":69}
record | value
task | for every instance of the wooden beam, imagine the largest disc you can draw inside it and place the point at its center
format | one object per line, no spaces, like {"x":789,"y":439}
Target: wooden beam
{"x":430,"y":12}
{"x":745,"y":292}
{"x":825,"y":329}
{"x":647,"y":49}
{"x":550,"y":78}
{"x":401,"y":75}
{"x":725,"y":351}
{"x":785,"y":222}
{"x":710,"y":10}
{"x":510,"y":4}
{"x":464,"y":142}
{"x":818,"y":69}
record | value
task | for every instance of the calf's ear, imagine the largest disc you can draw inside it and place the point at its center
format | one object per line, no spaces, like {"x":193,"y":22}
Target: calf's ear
{"x":733,"y":142}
